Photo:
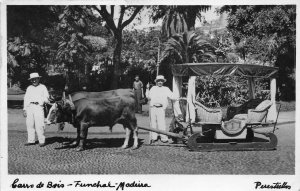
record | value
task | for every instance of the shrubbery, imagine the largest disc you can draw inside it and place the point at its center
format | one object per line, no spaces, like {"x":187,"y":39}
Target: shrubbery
{"x":219,"y":91}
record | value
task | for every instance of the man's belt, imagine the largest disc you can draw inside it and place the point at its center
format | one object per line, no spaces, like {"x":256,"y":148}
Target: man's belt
{"x":157,"y":105}
{"x":35,"y":103}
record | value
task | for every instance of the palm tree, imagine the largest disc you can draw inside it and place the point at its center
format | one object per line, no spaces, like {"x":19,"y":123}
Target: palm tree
{"x":183,"y":44}
{"x":186,"y":48}
{"x":178,"y":19}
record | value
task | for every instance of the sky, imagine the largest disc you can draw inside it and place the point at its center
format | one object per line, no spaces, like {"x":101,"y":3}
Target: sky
{"x":145,"y":23}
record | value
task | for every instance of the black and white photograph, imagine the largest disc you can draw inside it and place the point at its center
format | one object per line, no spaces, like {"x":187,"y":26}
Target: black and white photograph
{"x":122,"y":95}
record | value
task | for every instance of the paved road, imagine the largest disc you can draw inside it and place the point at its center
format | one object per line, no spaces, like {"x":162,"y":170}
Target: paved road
{"x":103,"y":155}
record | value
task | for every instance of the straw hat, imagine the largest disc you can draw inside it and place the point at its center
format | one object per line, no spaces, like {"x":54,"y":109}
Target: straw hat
{"x":160,"y":78}
{"x":34,"y":75}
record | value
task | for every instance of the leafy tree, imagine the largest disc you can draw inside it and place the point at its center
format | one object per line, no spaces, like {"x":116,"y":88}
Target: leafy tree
{"x":225,"y":48}
{"x":182,"y":45}
{"x":116,"y":30}
{"x":23,"y":58}
{"x":72,"y":50}
{"x":266,"y":33}
{"x":141,"y":45}
{"x":29,"y":22}
{"x":263,"y":31}
{"x":42,"y":36}
{"x":29,"y":40}
{"x":140,"y":55}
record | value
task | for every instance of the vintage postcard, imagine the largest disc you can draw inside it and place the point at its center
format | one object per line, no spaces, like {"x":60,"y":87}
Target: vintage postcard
{"x":149,"y":95}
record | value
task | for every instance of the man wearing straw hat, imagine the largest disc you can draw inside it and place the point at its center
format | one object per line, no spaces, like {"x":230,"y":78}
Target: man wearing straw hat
{"x":158,"y":96}
{"x":35,"y":97}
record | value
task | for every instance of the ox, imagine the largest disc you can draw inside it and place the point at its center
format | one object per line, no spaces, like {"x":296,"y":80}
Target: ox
{"x":83,"y":94}
{"x":107,"y":110}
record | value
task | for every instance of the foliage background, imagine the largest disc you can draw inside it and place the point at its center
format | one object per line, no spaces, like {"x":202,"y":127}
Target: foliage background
{"x":63,"y":43}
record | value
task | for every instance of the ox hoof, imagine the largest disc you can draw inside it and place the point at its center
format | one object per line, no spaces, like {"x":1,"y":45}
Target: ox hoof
{"x":79,"y":149}
{"x":73,"y":144}
{"x":124,"y":146}
{"x":135,"y":147}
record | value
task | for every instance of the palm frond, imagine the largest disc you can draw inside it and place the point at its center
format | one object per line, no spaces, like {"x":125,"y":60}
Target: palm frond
{"x":187,"y":46}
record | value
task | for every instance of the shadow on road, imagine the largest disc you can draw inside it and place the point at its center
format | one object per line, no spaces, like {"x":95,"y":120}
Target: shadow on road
{"x":92,"y":143}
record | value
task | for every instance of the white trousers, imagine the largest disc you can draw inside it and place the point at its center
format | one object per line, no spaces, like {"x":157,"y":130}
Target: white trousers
{"x":158,"y":121}
{"x":35,"y":123}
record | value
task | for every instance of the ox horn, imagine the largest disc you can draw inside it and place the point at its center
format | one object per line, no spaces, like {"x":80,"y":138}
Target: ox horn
{"x":70,"y":98}
{"x":64,"y":96}
{"x":71,"y":103}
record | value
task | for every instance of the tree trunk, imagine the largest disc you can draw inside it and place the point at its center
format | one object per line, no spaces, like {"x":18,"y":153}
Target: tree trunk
{"x":187,"y":57}
{"x":117,"y":60}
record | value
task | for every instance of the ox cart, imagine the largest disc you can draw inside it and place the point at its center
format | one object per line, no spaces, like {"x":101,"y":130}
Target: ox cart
{"x":214,"y":133}
{"x":200,"y":128}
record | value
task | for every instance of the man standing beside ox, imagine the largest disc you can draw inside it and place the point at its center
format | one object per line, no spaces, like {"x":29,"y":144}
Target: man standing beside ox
{"x":35,"y":97}
{"x":158,"y":96}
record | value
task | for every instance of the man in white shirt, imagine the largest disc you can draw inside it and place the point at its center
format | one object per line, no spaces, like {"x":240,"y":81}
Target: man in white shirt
{"x":158,"y":96}
{"x":35,"y":97}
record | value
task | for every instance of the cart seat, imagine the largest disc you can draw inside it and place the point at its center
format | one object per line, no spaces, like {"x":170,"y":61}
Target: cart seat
{"x":242,"y":109}
{"x":257,"y":114}
{"x":205,"y":114}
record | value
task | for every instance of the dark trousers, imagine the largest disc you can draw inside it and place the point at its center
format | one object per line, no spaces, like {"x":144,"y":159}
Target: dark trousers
{"x":138,"y":98}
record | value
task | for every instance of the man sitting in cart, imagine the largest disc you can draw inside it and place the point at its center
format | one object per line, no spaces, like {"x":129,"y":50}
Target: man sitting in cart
{"x":158,"y":96}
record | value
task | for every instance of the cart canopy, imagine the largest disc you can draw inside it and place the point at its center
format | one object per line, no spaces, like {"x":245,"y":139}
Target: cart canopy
{"x":243,"y":70}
